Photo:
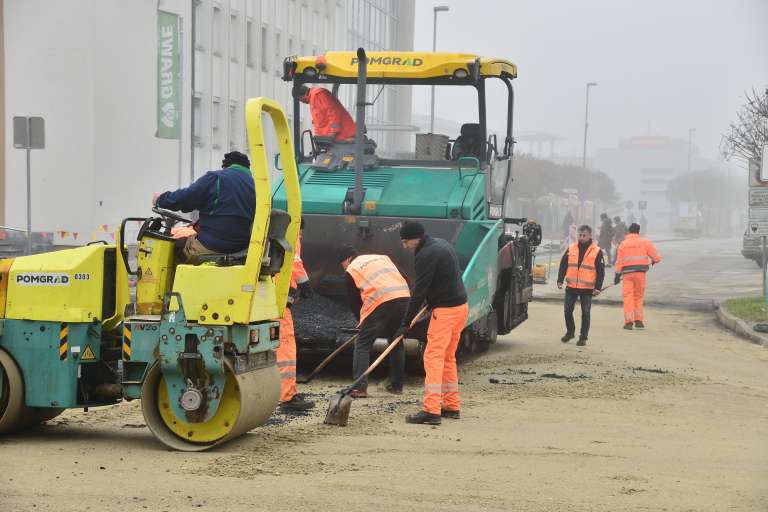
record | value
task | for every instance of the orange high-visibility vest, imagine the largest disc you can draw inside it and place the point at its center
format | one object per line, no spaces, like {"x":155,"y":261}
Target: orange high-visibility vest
{"x":378,"y":280}
{"x":329,"y":117}
{"x":582,"y":276}
{"x":635,"y":254}
{"x":298,"y":273}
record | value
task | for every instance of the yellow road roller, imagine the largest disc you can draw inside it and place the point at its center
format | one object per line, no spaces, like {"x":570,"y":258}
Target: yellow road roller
{"x":197,"y":343}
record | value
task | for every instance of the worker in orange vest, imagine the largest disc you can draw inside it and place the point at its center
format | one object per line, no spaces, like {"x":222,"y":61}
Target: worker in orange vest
{"x":582,"y":268}
{"x":439,"y":284}
{"x":635,"y":256}
{"x":329,"y":117}
{"x":378,"y":296}
{"x":290,"y":400}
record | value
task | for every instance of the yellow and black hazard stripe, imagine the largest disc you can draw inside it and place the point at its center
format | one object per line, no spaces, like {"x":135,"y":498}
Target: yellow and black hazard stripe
{"x":127,"y":337}
{"x":63,"y":341}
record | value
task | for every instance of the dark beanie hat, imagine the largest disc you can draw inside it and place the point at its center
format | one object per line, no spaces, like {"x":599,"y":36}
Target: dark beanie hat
{"x":411,"y":230}
{"x":235,"y":157}
{"x":347,"y":252}
{"x":634,"y":227}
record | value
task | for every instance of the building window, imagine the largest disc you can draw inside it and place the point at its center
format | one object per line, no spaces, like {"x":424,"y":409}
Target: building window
{"x":218,"y":31}
{"x":197,"y":117}
{"x":200,"y":32}
{"x":234,"y":132}
{"x":234,"y":38}
{"x":250,"y":44}
{"x":278,"y":50}
{"x":264,"y":48}
{"x":216,"y":123}
{"x":290,"y":46}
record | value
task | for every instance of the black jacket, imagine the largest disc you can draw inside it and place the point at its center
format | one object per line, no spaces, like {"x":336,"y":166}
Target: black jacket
{"x":599,"y":269}
{"x":438,"y":278}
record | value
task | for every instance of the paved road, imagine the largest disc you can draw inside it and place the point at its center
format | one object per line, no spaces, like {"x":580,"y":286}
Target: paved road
{"x":692,"y":272}
{"x":670,"y":419}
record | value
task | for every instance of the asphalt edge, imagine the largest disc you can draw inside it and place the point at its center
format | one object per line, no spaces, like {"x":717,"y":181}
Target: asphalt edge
{"x":739,"y":326}
{"x":687,"y":306}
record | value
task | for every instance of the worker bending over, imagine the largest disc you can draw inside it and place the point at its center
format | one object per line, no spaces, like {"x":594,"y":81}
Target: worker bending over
{"x":634,"y":257}
{"x":290,"y":399}
{"x":329,"y":117}
{"x":439,"y":284}
{"x":378,"y":296}
{"x":583,"y":269}
{"x":226,"y":201}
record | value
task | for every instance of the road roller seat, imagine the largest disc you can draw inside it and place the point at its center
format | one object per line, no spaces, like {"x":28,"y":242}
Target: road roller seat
{"x":274,"y":252}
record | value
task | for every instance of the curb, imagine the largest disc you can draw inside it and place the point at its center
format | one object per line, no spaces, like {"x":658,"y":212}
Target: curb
{"x":687,"y":306}
{"x":739,"y":326}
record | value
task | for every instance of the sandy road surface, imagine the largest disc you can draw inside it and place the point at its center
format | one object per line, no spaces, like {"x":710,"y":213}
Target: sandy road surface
{"x":674,"y":418}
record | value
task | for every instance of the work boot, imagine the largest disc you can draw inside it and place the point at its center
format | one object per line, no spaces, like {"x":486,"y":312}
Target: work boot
{"x":447,"y":413}
{"x":358,"y":393}
{"x":582,"y":341}
{"x":395,"y":390}
{"x":568,"y":337}
{"x":639,"y":324}
{"x":628,"y":326}
{"x":424,"y":418}
{"x":297,"y":403}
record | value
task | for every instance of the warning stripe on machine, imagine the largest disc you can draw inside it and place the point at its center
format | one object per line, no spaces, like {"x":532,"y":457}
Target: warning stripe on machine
{"x":127,"y":338}
{"x":63,"y":341}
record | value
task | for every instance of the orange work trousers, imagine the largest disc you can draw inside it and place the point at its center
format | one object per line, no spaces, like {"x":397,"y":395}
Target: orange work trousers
{"x":441,"y":384}
{"x":286,"y":357}
{"x":633,"y":290}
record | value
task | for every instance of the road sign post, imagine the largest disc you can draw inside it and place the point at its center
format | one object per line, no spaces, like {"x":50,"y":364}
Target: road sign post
{"x":757,"y":201}
{"x":29,"y":134}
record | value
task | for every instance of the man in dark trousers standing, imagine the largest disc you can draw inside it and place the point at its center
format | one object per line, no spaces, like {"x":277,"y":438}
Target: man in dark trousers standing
{"x":378,"y":296}
{"x":605,"y":238}
{"x":439,"y":284}
{"x":582,"y":268}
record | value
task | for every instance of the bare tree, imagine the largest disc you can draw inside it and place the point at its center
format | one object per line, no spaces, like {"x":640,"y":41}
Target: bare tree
{"x":747,"y":135}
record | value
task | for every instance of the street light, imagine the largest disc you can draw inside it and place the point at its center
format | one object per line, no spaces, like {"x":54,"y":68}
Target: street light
{"x":586,"y":125}
{"x":436,"y":9}
{"x":690,"y":146}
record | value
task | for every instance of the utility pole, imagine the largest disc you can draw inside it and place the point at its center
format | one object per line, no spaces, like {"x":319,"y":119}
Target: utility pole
{"x":586,"y":126}
{"x":435,"y":10}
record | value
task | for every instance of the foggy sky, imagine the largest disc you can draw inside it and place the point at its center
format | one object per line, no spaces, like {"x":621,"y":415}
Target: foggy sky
{"x":676,"y":64}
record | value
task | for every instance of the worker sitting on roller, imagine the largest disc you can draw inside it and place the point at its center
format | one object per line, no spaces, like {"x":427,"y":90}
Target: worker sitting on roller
{"x":329,"y":117}
{"x":378,"y":296}
{"x":290,"y":399}
{"x":226,"y":201}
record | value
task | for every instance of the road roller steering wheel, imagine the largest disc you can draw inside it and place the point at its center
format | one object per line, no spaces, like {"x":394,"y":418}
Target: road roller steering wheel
{"x":169,"y":215}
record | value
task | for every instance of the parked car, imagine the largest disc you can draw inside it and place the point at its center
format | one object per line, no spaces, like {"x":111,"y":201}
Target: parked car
{"x":13,"y":242}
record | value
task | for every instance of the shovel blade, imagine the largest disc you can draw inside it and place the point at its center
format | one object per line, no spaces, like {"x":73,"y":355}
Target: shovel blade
{"x":338,"y":410}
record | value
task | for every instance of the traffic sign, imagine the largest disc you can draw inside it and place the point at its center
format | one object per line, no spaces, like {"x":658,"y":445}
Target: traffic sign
{"x":758,"y":197}
{"x":757,"y":227}
{"x":758,"y":213}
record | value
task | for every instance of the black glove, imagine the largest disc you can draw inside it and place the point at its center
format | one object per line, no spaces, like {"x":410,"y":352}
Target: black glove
{"x":305,"y":290}
{"x":402,"y":331}
{"x":617,"y":279}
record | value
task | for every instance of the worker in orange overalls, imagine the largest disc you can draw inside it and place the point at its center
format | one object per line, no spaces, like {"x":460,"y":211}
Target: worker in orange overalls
{"x":290,"y":400}
{"x":634,"y":257}
{"x":329,"y":117}
{"x":439,"y":284}
{"x":378,"y":296}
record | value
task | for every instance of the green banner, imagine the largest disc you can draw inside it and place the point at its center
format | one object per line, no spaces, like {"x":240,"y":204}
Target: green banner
{"x":168,"y":86}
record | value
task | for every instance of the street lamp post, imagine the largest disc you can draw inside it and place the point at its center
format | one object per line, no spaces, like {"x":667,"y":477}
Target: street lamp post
{"x":586,"y":126}
{"x":436,"y":9}
{"x":690,"y":146}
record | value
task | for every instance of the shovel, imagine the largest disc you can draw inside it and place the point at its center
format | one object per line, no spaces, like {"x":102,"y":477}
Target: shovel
{"x":341,"y":402}
{"x":328,"y":359}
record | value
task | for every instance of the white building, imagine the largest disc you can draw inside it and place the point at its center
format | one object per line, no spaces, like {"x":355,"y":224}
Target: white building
{"x":90,"y":68}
